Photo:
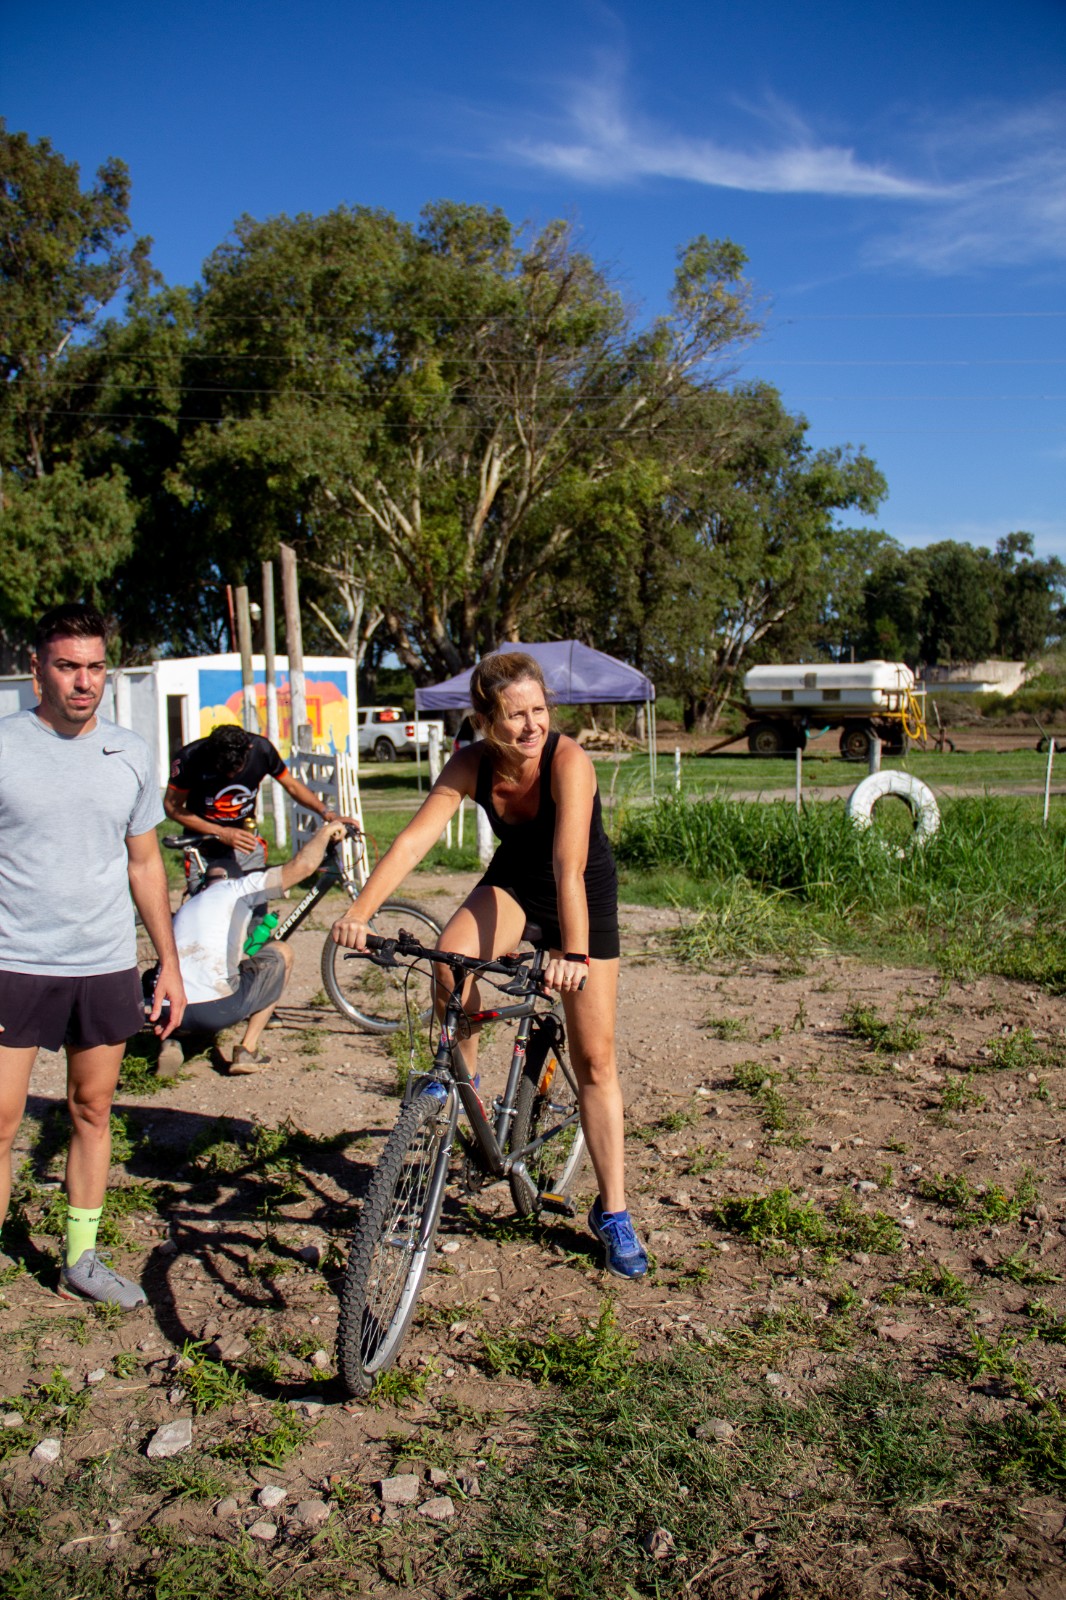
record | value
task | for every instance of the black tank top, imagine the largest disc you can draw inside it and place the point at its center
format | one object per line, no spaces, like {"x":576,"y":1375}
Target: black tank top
{"x":523,"y":862}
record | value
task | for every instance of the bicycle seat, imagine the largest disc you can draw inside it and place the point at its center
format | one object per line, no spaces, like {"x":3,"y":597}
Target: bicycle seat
{"x":533,"y":933}
{"x":183,"y":841}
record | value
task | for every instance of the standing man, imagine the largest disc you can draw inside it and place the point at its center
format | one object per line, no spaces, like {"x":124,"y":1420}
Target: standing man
{"x":213,"y":787}
{"x":78,"y":809}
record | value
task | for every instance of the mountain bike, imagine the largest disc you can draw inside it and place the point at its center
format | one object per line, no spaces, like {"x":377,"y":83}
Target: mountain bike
{"x":532,"y":1138}
{"x":373,"y":999}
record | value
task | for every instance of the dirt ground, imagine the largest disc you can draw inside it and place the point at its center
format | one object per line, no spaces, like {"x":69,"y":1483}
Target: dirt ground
{"x":225,"y":1265}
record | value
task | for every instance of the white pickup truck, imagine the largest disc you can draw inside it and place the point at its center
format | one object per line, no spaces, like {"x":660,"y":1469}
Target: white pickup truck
{"x":387,"y":733}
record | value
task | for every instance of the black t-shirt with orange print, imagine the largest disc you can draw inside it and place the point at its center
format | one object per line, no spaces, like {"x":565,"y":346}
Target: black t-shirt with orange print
{"x":227,"y":800}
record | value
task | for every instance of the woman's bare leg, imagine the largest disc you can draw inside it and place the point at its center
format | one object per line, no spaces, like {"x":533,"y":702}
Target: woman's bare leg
{"x":590,"y":1026}
{"x":488,"y":924}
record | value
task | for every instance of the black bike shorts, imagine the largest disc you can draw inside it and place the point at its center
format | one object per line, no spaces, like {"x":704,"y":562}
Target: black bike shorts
{"x":604,"y":941}
{"x":50,"y":1010}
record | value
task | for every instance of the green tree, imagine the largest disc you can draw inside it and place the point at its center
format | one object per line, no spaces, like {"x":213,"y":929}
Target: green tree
{"x":425,"y":412}
{"x":1031,"y":598}
{"x":65,"y":253}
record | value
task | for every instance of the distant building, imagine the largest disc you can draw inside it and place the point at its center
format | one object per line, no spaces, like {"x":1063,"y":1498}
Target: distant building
{"x":174,"y":701}
{"x":977,"y":677}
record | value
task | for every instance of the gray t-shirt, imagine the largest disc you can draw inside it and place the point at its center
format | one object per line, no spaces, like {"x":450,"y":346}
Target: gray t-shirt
{"x":67,"y":805}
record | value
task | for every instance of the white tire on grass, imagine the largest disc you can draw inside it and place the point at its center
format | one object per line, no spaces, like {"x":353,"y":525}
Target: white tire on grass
{"x":918,"y":796}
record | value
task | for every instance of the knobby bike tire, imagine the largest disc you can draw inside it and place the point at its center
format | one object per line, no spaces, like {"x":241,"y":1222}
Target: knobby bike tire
{"x":386,"y":1268}
{"x":546,"y":1096}
{"x":375,"y":998}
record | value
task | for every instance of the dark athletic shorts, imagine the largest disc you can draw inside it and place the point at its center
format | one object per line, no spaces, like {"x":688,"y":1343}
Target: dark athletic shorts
{"x":53,"y":1010}
{"x":262,"y":978}
{"x":604,"y":941}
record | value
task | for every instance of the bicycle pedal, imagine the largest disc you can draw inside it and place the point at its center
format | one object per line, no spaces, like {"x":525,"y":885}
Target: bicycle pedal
{"x":560,"y":1204}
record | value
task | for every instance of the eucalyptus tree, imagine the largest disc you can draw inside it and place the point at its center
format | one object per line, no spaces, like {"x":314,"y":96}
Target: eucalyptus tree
{"x":425,"y":410}
{"x":732,"y":553}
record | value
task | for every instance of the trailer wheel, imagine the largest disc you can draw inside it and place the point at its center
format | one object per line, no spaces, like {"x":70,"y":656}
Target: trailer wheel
{"x":766,"y":739}
{"x":918,"y":796}
{"x":856,"y":739}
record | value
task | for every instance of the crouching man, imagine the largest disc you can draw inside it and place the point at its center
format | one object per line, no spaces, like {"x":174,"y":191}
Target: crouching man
{"x":224,"y":985}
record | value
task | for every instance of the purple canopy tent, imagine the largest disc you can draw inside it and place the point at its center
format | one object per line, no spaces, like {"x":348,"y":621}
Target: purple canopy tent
{"x":575,"y":675}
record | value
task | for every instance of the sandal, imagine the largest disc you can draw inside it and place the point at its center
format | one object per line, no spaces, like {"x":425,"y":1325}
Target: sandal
{"x":244,"y":1062}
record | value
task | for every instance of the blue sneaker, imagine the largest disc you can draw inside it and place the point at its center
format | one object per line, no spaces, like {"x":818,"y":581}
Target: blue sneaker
{"x":626,"y":1256}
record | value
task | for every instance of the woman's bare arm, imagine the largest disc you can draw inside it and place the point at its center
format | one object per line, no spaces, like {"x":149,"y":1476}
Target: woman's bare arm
{"x":573,"y":790}
{"x":456,"y":783}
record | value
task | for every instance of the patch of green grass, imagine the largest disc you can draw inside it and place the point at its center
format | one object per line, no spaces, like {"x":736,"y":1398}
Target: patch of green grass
{"x":895,"y":1037}
{"x":986,"y":894}
{"x":1049,"y":1325}
{"x":727,"y":1027}
{"x":186,"y":1478}
{"x":883,"y":1431}
{"x":778,"y":1219}
{"x":761,"y":1085}
{"x":934,"y":1283}
{"x":598,"y":1356}
{"x":411,"y":1055}
{"x":207,"y":1383}
{"x":983,"y":1205}
{"x":1024,"y":1449}
{"x":1012,"y":1052}
{"x":138,"y":1076}
{"x":572,"y":1519}
{"x":56,"y":1401}
{"x":958,"y":1095}
{"x":701,"y":1160}
{"x":399,"y":1385}
{"x":873,"y":1231}
{"x":272,"y":1441}
{"x":1018,"y":1268}
{"x":674,"y":1121}
{"x":738,"y":921}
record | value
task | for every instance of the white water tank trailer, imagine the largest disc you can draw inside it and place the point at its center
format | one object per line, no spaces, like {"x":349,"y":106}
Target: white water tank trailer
{"x":787,"y":703}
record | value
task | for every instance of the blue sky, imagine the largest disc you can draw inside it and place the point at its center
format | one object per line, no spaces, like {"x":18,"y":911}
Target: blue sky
{"x":896,"y":175}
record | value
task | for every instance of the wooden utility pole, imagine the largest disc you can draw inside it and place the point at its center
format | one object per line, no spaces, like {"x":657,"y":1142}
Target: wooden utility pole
{"x":277,"y":793}
{"x":249,"y":717}
{"x":294,"y":642}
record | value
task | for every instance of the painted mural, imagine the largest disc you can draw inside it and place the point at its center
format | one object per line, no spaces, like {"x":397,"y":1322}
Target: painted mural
{"x":328,"y":711}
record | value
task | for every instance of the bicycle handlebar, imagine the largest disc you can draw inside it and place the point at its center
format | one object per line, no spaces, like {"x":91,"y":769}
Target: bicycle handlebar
{"x":383,"y":952}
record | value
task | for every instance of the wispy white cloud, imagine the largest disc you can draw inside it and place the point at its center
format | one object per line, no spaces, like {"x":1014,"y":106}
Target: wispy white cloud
{"x":1009,"y":207}
{"x":604,"y":142}
{"x":985,"y":186}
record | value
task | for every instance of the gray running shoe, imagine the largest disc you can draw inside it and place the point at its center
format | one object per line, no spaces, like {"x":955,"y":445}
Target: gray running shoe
{"x":92,"y":1279}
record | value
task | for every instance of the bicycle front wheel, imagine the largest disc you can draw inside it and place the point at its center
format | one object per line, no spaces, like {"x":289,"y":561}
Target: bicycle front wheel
{"x":377,"y":998}
{"x":392,"y":1244}
{"x":547,"y":1096}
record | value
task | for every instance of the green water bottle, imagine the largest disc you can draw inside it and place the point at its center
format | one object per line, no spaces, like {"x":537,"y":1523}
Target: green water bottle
{"x":260,"y":934}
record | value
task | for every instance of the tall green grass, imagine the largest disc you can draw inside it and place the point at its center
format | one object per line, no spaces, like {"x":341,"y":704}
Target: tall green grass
{"x":986,"y":893}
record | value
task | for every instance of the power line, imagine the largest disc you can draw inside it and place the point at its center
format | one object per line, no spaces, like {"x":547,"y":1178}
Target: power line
{"x":623,"y":438}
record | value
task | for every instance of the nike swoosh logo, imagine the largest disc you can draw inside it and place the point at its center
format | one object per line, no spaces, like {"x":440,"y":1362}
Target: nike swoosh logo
{"x":116,"y":752}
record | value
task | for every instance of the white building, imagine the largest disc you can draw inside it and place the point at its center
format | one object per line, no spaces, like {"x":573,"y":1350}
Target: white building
{"x":170,"y":703}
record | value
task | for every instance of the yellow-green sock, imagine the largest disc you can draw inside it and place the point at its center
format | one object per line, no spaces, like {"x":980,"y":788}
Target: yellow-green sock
{"x":81,"y":1232}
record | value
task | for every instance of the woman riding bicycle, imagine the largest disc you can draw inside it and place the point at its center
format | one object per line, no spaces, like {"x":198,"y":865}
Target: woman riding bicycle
{"x":553,"y":867}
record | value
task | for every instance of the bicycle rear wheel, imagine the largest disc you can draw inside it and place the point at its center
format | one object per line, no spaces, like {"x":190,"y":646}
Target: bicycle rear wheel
{"x":392,"y":1244}
{"x":374,"y":997}
{"x":547,"y":1096}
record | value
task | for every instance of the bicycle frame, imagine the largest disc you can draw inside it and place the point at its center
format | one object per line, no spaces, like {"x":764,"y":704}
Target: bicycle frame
{"x":331,"y":872}
{"x":328,"y":876}
{"x":491,"y":1137}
